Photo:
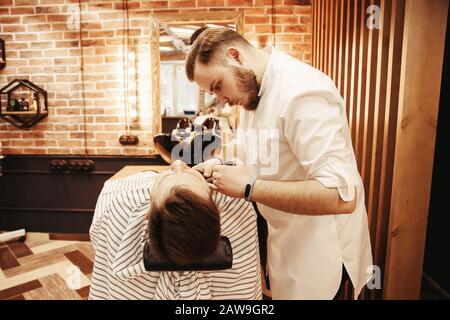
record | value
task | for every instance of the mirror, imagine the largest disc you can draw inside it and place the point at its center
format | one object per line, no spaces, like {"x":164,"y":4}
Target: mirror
{"x":173,"y":96}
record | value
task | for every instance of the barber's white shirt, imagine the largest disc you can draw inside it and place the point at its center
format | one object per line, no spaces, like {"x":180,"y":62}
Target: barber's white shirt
{"x":300,"y":132}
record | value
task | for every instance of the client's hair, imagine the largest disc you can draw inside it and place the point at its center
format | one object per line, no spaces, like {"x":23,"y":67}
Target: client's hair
{"x":184,"y":227}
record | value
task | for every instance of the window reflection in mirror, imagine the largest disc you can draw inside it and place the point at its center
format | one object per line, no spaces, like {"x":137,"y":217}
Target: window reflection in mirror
{"x":179,"y":96}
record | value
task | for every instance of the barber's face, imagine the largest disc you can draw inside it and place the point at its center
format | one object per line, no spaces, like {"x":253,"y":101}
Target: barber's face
{"x":179,"y":174}
{"x":231,"y":84}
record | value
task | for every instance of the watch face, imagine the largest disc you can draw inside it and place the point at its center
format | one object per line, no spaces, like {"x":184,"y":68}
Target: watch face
{"x":247,"y":190}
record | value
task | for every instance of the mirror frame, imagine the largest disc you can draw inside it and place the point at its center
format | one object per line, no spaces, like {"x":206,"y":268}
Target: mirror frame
{"x":179,"y":18}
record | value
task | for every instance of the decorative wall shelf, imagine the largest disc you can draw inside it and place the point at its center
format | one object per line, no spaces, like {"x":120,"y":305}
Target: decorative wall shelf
{"x":22,"y":103}
{"x":2,"y":54}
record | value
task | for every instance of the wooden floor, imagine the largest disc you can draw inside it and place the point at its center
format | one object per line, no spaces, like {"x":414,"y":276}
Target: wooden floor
{"x":46,"y":267}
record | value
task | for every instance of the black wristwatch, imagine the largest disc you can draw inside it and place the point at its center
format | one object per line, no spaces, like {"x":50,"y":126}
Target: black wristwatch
{"x":249,"y":189}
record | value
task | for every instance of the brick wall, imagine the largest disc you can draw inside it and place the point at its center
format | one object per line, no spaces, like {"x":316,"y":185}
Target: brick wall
{"x":43,"y":46}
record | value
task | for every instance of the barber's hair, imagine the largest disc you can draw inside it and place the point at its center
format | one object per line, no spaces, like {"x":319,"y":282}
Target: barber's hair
{"x":207,"y":42}
{"x":184,"y":227}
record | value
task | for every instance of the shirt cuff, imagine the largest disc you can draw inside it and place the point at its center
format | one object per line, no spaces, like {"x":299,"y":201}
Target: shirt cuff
{"x":339,"y":175}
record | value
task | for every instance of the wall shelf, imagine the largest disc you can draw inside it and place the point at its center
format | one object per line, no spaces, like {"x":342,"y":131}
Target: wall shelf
{"x":22,"y":103}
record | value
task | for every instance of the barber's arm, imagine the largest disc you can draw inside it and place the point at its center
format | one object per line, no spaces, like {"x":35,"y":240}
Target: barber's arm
{"x":319,"y":140}
{"x":307,"y":197}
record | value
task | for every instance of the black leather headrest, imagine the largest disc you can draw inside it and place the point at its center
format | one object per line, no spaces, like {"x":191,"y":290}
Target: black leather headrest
{"x":220,"y":259}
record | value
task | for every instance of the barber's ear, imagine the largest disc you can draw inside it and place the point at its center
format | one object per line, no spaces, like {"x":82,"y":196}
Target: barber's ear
{"x":234,"y":54}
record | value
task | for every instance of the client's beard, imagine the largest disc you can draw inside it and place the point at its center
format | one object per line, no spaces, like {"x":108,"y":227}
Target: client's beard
{"x":246,"y":82}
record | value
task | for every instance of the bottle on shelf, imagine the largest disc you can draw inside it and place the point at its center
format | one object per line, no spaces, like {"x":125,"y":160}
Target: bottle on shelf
{"x":24,"y":104}
{"x":14,"y":105}
{"x":10,"y":106}
{"x":32,"y":102}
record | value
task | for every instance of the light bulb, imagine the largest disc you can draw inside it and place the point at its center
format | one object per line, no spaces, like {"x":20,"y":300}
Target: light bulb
{"x":133,"y":113}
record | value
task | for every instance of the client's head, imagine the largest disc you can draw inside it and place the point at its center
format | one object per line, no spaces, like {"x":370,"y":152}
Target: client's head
{"x":184,"y":222}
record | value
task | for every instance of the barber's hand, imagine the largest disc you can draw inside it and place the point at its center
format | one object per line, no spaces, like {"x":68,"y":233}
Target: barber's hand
{"x":206,"y":168}
{"x":229,"y":180}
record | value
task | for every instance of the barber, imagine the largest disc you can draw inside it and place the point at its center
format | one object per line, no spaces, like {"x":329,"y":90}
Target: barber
{"x":298,"y":163}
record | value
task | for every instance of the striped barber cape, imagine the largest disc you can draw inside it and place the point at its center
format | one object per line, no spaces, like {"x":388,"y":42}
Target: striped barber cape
{"x":118,"y":234}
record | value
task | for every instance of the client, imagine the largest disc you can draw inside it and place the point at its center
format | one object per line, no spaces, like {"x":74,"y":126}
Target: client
{"x":181,"y":219}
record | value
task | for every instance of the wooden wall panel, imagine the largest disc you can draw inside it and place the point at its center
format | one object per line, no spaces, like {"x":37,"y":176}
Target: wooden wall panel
{"x":420,"y":85}
{"x":368,"y":67}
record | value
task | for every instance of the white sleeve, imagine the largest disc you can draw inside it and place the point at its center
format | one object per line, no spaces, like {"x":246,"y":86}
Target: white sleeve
{"x":318,"y":136}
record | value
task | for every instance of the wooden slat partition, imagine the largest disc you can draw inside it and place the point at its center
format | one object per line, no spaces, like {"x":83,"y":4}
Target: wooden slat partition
{"x":379,"y":72}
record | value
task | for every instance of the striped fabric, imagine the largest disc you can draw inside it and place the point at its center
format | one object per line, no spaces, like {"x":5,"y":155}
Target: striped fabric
{"x":118,"y":236}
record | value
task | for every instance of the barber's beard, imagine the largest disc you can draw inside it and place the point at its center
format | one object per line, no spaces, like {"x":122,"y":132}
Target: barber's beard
{"x":246,"y":82}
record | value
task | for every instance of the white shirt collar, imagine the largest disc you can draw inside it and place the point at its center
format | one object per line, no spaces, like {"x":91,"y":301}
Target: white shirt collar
{"x":265,"y":80}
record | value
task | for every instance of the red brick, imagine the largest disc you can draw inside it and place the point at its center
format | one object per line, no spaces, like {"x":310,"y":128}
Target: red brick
{"x":305,"y":20}
{"x":303,"y":10}
{"x":58,"y":151}
{"x":66,"y":61}
{"x":40,"y":62}
{"x":17,"y":45}
{"x":12,"y":135}
{"x":22,"y":10}
{"x":66,"y":127}
{"x":288,"y":38}
{"x":9,"y":20}
{"x":67,"y":44}
{"x":101,"y":34}
{"x":30,"y":70}
{"x":257,"y":20}
{"x":131,"y":5}
{"x":111,"y":16}
{"x":81,"y":135}
{"x":50,"y":9}
{"x":31,"y":54}
{"x":34,"y":151}
{"x":32,"y":135}
{"x":92,"y":26}
{"x":43,"y":143}
{"x":157,"y":11}
{"x":182,"y":3}
{"x":154,"y":4}
{"x":26,"y":2}
{"x":50,"y":35}
{"x":295,"y":28}
{"x":241,"y":3}
{"x":255,"y":11}
{"x":96,"y":143}
{"x":13,"y":28}
{"x":26,"y":37}
{"x":263,"y":29}
{"x":56,"y":53}
{"x":211,"y":3}
{"x":22,"y":143}
{"x":15,"y":62}
{"x":106,"y":135}
{"x":38,"y":27}
{"x":34,"y":19}
{"x":286,"y":19}
{"x":57,"y":18}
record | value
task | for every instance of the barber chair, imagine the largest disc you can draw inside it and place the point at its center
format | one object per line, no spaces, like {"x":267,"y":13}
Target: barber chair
{"x":193,"y":144}
{"x":220,"y":259}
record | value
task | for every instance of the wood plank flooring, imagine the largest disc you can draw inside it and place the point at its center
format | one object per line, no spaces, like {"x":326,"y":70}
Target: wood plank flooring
{"x":46,"y":267}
